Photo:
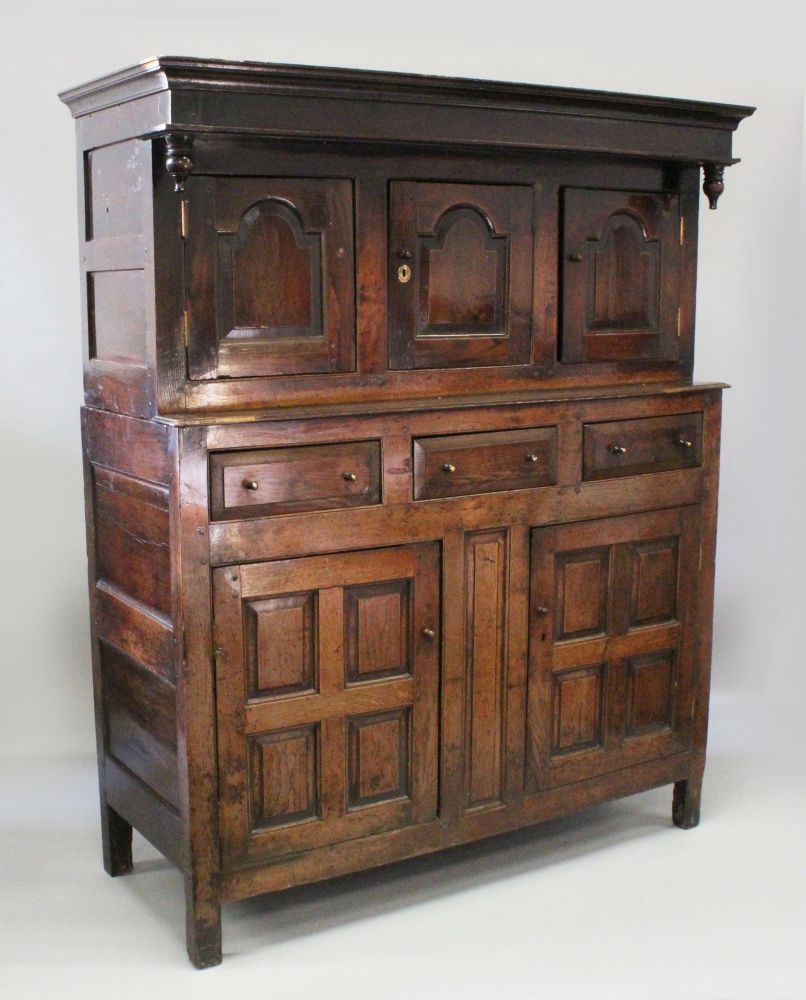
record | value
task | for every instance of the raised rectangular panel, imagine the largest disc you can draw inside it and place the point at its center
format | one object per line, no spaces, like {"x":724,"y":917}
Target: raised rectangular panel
{"x":283,"y":777}
{"x":650,"y":692}
{"x":377,"y":631}
{"x":140,"y":722}
{"x":378,"y":757}
{"x":132,"y":537}
{"x":280,"y":645}
{"x":582,"y":593}
{"x":116,"y":315}
{"x":577,"y":709}
{"x":485,"y":665}
{"x":114,"y":181}
{"x":653,"y":582}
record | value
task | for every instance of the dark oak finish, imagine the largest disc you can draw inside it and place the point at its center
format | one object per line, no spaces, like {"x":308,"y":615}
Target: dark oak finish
{"x":269,"y":276}
{"x":460,"y":281}
{"x":290,"y":480}
{"x":620,"y":275}
{"x":631,"y":447}
{"x":401,"y":503}
{"x":462,"y":464}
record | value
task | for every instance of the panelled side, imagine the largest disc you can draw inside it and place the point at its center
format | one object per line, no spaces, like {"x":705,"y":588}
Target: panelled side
{"x":129,"y":479}
{"x":117,"y":276}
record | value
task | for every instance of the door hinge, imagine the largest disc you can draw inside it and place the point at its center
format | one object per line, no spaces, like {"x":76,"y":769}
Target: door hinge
{"x":185,"y":326}
{"x":183,"y":219}
{"x":679,"y":319}
{"x":682,"y":230}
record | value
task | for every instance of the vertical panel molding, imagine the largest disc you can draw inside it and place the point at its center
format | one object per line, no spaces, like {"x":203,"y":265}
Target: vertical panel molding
{"x":486,"y":666}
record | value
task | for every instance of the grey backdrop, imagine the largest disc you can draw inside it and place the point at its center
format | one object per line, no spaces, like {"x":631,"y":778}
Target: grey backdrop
{"x":749,"y":329}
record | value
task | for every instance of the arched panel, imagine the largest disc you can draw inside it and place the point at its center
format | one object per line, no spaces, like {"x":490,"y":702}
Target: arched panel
{"x":623,"y":292}
{"x":270,"y":281}
{"x":462,"y":276}
{"x":275,"y":269}
{"x":621,"y":276}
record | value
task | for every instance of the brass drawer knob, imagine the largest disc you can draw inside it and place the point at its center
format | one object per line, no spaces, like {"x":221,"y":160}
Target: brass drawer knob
{"x":531,"y":457}
{"x":684,"y":443}
{"x":348,"y":477}
{"x":249,"y":484}
{"x":618,"y":449}
{"x":429,"y":633}
{"x":448,"y":467}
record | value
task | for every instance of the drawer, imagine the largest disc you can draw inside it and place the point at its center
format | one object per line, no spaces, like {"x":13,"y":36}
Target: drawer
{"x":293,"y":480}
{"x":633,"y":447}
{"x":461,"y":464}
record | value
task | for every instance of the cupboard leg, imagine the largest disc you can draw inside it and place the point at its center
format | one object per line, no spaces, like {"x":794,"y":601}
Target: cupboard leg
{"x":686,"y":803}
{"x":203,"y":918}
{"x":116,"y":836}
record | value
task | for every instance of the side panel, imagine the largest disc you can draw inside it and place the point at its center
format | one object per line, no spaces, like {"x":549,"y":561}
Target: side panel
{"x":129,"y":482}
{"x":117,"y":276}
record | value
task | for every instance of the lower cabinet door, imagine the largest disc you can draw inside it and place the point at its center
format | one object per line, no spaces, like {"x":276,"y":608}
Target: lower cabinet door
{"x":327,"y":696}
{"x":611,"y":651}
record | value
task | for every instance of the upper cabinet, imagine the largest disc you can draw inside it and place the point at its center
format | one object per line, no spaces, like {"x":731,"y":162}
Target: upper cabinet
{"x":460,"y":284}
{"x":269,"y":277}
{"x":620,"y":276}
{"x":260,"y":236}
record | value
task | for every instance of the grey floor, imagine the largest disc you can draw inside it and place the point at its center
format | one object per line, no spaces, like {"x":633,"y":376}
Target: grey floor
{"x":614,"y":902}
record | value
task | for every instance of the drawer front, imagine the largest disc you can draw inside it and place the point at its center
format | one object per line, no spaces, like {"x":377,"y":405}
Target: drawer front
{"x":634,"y":447}
{"x":293,"y":480}
{"x":463,"y":464}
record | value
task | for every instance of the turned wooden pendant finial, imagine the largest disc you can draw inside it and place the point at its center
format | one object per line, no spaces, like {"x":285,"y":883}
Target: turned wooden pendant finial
{"x":713,"y":182}
{"x":178,"y":161}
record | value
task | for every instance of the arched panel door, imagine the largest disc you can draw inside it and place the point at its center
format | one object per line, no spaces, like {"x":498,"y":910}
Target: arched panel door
{"x":460,"y":276}
{"x":621,"y":276}
{"x":269,"y":282}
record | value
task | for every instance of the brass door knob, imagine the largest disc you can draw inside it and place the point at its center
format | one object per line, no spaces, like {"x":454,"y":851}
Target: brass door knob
{"x":618,"y":449}
{"x":448,"y":467}
{"x":249,"y":484}
{"x":685,"y":444}
{"x":542,"y":610}
{"x":429,"y":633}
{"x":575,"y":258}
{"x":404,"y":254}
{"x":531,"y":457}
{"x":348,"y":477}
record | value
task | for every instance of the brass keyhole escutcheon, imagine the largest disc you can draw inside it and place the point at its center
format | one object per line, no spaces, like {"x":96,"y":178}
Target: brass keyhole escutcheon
{"x":404,"y":274}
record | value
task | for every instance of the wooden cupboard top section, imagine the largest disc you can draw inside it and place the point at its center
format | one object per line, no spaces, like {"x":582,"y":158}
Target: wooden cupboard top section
{"x":309,"y":102}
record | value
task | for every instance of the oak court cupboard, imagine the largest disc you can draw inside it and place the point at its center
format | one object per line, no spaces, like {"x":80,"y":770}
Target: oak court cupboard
{"x":401,"y":502}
